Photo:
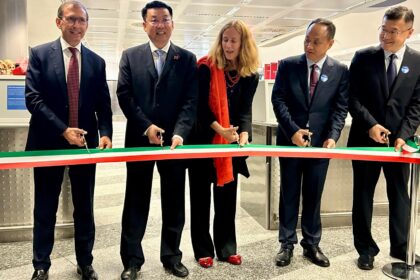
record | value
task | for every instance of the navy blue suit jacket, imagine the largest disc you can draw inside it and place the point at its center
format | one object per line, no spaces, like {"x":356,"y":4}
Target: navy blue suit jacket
{"x":47,"y":98}
{"x":371,"y":102}
{"x":168,"y":101}
{"x":325,"y":112}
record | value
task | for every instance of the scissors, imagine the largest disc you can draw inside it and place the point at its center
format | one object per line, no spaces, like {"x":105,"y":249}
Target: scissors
{"x":160,"y":136}
{"x":308,"y":138}
{"x":309,"y":141}
{"x":85,"y":143}
{"x":386,"y":138}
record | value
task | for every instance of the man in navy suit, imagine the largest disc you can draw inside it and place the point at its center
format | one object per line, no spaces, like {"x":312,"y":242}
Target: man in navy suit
{"x":309,"y":98}
{"x":67,"y":94}
{"x":385,"y":107}
{"x":158,"y":93}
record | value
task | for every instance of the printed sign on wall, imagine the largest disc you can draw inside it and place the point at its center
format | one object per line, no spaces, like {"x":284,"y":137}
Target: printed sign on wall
{"x":16,"y":97}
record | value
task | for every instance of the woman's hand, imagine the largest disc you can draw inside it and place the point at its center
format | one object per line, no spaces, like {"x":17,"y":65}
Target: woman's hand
{"x":230,"y":134}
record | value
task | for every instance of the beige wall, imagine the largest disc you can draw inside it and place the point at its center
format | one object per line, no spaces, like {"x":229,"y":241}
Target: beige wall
{"x":41,"y":21}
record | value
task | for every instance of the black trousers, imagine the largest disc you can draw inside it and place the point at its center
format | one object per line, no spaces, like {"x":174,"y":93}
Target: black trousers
{"x":304,"y":177}
{"x":136,"y":210}
{"x":48,"y":181}
{"x":365,"y":177}
{"x":201,"y":176}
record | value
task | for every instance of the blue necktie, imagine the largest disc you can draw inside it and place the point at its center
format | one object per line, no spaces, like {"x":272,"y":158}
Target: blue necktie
{"x":160,"y":61}
{"x":391,"y":72}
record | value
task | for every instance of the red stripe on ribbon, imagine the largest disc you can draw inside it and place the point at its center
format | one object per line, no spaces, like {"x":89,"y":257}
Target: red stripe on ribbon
{"x":350,"y":154}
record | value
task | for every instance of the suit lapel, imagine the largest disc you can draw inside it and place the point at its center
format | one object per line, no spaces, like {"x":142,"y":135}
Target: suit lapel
{"x":324,"y":77}
{"x":85,"y":70}
{"x":171,"y":57}
{"x":403,"y":73}
{"x":303,"y":78}
{"x":58,"y":61}
{"x":147,"y":58}
{"x":379,"y":68}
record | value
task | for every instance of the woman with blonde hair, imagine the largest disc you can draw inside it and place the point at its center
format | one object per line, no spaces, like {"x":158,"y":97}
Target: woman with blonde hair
{"x":227,"y":82}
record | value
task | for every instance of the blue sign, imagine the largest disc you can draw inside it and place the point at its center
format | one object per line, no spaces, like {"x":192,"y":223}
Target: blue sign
{"x":16,"y":97}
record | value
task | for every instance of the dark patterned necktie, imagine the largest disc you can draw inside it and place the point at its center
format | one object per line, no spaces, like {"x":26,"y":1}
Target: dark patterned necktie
{"x":391,"y":72}
{"x":313,"y":80}
{"x":73,"y":89}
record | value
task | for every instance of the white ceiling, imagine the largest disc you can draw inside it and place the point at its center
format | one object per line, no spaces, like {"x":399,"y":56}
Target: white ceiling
{"x":115,"y":25}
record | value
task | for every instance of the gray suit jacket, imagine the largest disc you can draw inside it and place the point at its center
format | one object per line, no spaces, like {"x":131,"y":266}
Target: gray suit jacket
{"x":169,"y":102}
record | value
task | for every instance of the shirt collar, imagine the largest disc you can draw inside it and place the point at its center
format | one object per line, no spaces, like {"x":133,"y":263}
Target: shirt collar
{"x":65,"y":45}
{"x":153,"y":48}
{"x":319,"y":63}
{"x":399,"y":53}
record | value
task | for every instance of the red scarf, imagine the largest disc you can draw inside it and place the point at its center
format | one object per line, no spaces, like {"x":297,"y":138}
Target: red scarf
{"x":218,"y":104}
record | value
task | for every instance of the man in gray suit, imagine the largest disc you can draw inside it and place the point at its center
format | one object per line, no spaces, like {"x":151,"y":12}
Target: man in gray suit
{"x":158,"y":93}
{"x":309,"y":112}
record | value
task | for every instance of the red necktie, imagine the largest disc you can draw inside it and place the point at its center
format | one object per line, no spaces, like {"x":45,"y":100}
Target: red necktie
{"x":73,"y":89}
{"x":313,"y":80}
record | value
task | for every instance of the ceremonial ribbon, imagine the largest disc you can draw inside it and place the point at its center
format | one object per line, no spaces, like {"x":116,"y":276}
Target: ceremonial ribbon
{"x":79,"y":156}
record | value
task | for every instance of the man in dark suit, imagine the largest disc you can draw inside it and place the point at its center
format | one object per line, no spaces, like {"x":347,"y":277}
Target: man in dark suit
{"x":309,"y":113}
{"x":385,"y":107}
{"x":67,"y":94}
{"x":158,"y":92}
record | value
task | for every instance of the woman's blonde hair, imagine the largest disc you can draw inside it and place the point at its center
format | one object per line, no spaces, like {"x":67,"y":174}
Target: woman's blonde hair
{"x":248,"y":60}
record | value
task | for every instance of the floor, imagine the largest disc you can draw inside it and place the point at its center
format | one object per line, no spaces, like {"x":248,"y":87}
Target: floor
{"x":257,"y":245}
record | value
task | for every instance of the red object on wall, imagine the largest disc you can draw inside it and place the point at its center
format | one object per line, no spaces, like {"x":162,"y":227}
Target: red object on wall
{"x":273,"y":70}
{"x":267,"y":71}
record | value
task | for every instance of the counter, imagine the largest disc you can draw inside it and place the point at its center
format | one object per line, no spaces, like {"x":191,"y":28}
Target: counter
{"x":16,"y":185}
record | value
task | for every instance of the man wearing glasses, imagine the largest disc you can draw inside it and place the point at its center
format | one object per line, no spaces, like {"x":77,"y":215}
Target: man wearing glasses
{"x":385,"y":107}
{"x":157,"y":92}
{"x":67,"y":94}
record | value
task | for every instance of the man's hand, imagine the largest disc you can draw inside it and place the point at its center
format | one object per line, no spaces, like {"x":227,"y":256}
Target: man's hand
{"x":379,"y":134}
{"x":399,"y":142}
{"x":298,"y":138}
{"x":176,"y":141}
{"x":154,"y":133}
{"x":74,"y":136}
{"x":105,"y":143}
{"x":329,"y":144}
{"x":243,"y":138}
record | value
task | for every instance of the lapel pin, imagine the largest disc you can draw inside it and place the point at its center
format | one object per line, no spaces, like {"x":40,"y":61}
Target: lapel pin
{"x":324,"y":78}
{"x":176,"y":57}
{"x":405,"y":69}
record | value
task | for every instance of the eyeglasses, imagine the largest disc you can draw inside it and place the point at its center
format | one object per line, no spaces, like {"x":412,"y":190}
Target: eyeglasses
{"x":155,"y":22}
{"x":72,"y":20}
{"x":392,"y":33}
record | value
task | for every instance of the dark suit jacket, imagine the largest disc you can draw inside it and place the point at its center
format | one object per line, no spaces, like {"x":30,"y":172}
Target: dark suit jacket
{"x":240,"y":107}
{"x":169,"y":101}
{"x":371,"y":103}
{"x":47,"y":99}
{"x":240,"y":112}
{"x":327,"y":110}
